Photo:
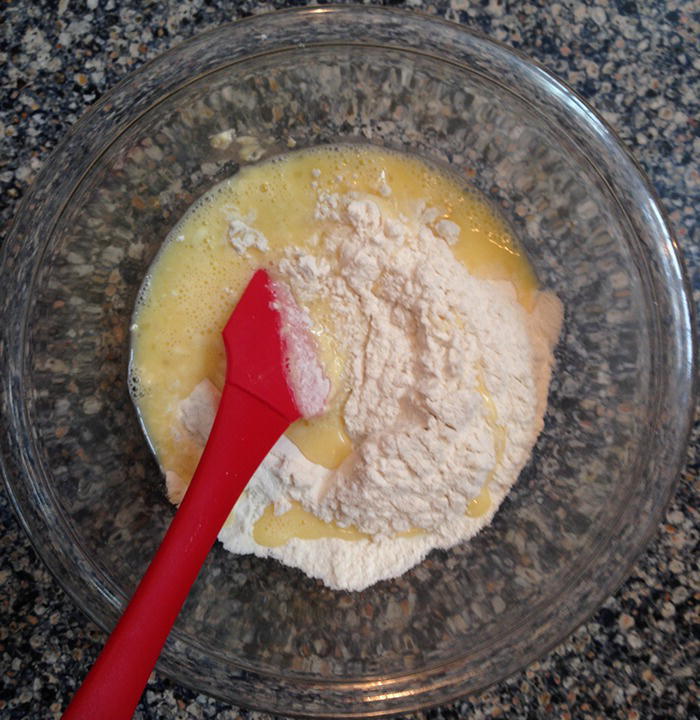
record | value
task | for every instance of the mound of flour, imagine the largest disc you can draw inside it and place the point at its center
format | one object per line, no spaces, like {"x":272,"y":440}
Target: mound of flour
{"x":449,"y":377}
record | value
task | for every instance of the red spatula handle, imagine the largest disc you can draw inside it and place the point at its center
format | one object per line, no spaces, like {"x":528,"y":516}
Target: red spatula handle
{"x":244,"y":430}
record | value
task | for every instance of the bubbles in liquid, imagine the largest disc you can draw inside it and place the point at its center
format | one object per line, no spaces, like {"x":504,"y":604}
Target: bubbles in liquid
{"x":141,"y":297}
{"x":134,"y":384}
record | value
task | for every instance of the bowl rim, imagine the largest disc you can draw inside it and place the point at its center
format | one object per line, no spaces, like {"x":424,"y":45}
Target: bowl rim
{"x":341,"y":13}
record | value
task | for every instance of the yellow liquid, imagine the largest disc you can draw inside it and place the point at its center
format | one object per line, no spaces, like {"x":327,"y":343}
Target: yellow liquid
{"x":274,"y":530}
{"x":198,"y":277}
{"x":481,"y":504}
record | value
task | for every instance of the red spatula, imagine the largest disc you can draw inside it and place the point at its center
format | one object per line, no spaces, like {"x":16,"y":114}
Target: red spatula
{"x":257,"y":405}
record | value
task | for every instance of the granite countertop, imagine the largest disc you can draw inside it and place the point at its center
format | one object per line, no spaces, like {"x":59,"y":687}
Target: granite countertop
{"x":637,"y":63}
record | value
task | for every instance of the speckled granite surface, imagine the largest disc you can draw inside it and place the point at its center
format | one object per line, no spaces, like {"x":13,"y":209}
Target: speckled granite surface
{"x":637,"y":63}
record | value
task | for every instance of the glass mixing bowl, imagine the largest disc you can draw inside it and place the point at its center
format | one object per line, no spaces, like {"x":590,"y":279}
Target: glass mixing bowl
{"x":79,"y":470}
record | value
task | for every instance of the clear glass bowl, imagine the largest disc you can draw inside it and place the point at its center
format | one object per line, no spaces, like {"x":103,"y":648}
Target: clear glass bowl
{"x":79,"y":470}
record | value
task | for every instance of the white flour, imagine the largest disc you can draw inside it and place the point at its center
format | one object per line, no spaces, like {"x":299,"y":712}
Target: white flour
{"x":305,"y":374}
{"x":449,"y":378}
{"x":242,"y":236}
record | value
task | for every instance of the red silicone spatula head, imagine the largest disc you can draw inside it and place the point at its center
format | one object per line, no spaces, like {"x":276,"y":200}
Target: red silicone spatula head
{"x":255,"y":349}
